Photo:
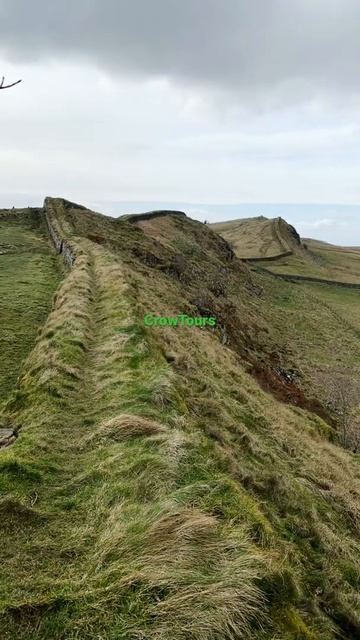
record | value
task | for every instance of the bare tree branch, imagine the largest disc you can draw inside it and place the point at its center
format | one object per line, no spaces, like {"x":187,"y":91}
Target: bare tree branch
{"x":7,"y":86}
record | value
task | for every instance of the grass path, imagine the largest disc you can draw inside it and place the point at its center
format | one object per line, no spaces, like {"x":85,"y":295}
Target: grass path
{"x":29,"y":275}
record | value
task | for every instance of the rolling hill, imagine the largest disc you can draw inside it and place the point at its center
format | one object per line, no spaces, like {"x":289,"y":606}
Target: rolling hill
{"x":275,"y":245}
{"x":259,"y":237}
{"x":180,"y":482}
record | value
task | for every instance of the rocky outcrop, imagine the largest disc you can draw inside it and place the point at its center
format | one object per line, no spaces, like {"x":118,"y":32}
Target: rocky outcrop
{"x":136,"y":217}
{"x":286,"y":234}
{"x":7,"y":437}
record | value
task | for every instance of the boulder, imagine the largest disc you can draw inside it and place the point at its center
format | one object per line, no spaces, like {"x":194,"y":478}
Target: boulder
{"x":7,"y":437}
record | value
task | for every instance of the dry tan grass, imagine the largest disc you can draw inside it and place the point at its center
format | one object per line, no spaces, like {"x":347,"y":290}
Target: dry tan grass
{"x":125,"y":426}
{"x":207,"y":582}
{"x":252,"y":237}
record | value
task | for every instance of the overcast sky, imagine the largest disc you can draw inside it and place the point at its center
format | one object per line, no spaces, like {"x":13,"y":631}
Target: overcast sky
{"x":226,"y":108}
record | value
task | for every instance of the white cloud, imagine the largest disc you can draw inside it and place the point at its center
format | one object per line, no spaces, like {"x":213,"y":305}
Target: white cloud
{"x":218,"y":110}
{"x":317,"y":224}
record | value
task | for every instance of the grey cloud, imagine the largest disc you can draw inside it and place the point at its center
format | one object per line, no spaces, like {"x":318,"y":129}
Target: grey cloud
{"x":248,"y":46}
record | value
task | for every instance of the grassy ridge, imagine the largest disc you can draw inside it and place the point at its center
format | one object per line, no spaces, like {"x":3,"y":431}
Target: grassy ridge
{"x":155,"y":491}
{"x":101,"y":545}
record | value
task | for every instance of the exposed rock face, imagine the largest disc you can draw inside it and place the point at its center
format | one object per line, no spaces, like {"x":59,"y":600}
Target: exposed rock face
{"x":294,"y":234}
{"x":288,"y":232}
{"x":7,"y":437}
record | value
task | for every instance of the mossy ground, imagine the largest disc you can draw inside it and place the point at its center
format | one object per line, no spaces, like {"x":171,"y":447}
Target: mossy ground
{"x":155,"y":491}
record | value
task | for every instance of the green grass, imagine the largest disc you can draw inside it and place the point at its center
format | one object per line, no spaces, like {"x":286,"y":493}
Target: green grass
{"x":29,"y":275}
{"x":137,"y":566}
{"x":155,"y":491}
{"x":260,"y":237}
{"x":337,"y":265}
{"x":315,"y":326}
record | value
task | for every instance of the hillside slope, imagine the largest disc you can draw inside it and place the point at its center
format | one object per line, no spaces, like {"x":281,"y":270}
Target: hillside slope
{"x":276,"y":246}
{"x":259,"y":237}
{"x":155,"y":489}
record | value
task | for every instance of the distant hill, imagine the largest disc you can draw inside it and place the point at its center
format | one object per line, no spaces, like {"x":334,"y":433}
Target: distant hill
{"x":275,"y":245}
{"x":259,"y":237}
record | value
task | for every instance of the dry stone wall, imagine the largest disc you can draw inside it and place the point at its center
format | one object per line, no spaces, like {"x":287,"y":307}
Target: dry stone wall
{"x":269,"y":258}
{"x":295,"y":278}
{"x":61,"y":245}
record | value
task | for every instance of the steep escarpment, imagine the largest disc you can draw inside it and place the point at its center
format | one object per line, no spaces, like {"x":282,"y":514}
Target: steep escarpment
{"x":287,"y":235}
{"x":155,"y":489}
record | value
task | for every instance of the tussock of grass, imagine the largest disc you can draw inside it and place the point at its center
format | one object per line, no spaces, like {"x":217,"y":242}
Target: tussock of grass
{"x":17,"y":470}
{"x":192,"y":582}
{"x":126,"y":426}
{"x":12,"y":511}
